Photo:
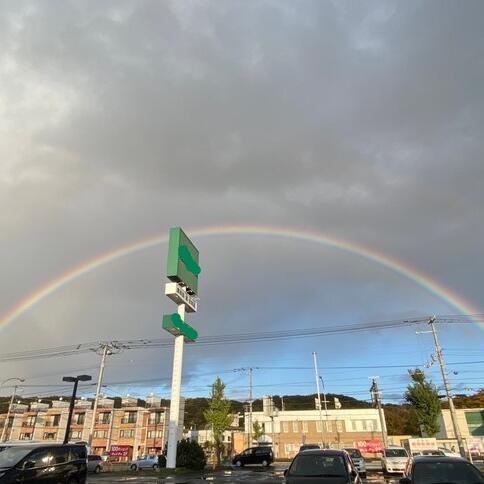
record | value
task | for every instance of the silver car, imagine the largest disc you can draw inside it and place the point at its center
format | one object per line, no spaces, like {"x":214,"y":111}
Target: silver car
{"x":146,"y":462}
{"x":94,"y":463}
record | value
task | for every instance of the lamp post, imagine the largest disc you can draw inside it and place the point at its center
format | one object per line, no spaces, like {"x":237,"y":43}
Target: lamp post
{"x":4,"y":431}
{"x":75,"y":380}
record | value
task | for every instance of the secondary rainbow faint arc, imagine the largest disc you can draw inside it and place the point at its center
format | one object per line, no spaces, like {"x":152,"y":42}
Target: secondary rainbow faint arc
{"x":392,"y":263}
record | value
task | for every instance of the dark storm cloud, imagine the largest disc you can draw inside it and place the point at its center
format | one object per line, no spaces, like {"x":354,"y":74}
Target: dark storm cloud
{"x":120,"y":119}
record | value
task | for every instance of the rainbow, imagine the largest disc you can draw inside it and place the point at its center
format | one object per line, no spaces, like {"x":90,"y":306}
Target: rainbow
{"x":391,"y":263}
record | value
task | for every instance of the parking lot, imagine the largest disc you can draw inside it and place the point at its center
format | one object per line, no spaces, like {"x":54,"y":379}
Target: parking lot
{"x":271,"y":475}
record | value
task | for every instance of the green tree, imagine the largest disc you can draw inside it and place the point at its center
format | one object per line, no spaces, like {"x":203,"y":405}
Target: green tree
{"x":423,"y":396}
{"x":257,"y":431}
{"x":217,"y":415}
{"x":190,"y":455}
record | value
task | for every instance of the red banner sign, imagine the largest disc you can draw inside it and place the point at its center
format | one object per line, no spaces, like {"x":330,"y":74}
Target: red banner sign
{"x":119,"y":451}
{"x":372,"y":446}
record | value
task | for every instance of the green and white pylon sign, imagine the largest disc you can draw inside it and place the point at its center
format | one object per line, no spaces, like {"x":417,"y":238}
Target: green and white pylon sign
{"x":183,"y":271}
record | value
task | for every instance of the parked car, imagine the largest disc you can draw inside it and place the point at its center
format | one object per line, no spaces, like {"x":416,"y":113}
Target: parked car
{"x":309,"y":447}
{"x":358,"y":460}
{"x":428,"y":469}
{"x":44,"y":463}
{"x":145,"y":462}
{"x":254,"y":455}
{"x":448,"y":453}
{"x":94,"y":463}
{"x":394,"y":460}
{"x":322,"y":466}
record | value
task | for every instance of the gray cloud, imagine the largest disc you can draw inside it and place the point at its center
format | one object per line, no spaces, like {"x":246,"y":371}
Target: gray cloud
{"x":120,"y":119}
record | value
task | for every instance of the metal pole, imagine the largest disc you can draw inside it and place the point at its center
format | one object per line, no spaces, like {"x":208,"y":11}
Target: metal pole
{"x":175,"y":396}
{"x":250,"y":407}
{"x":319,"y":397}
{"x":376,"y":395}
{"x":71,"y":410}
{"x":98,"y":391}
{"x":448,"y":391}
{"x":324,"y":399}
{"x":4,"y":431}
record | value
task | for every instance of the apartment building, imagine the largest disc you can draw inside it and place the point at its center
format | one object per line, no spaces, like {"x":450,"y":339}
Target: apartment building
{"x":139,"y":429}
{"x":335,"y":428}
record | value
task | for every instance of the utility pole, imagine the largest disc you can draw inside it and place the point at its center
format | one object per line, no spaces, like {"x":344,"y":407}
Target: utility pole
{"x":377,"y":399}
{"x":9,"y":411}
{"x":448,"y":391}
{"x":319,"y":397}
{"x":106,"y":350}
{"x":324,"y":399}
{"x":250,"y":407}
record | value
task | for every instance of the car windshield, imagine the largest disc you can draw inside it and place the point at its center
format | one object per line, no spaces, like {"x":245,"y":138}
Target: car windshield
{"x":354,"y":453}
{"x":395,"y":453}
{"x":456,"y":472}
{"x":317,"y":465}
{"x":11,"y":456}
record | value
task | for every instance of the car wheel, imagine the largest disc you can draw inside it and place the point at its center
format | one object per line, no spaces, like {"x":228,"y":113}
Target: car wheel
{"x":134,"y":467}
{"x":238,"y":463}
{"x":97,"y":470}
{"x":265,"y":463}
{"x":155,"y":466}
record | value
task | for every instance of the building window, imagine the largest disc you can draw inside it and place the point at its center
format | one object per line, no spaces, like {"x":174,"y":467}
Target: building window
{"x":80,"y":418}
{"x":25,"y":436}
{"x":354,"y":425}
{"x":75,"y":434}
{"x":104,"y":418}
{"x":155,"y":434}
{"x":295,"y":426}
{"x":50,"y":435}
{"x":30,"y":422}
{"x":369,"y":425}
{"x":155,"y":418}
{"x":100,"y":434}
{"x":340,"y":426}
{"x":55,"y":420}
{"x":305,"y":427}
{"x":129,"y":417}
{"x":328,"y":426}
{"x":285,"y":427}
{"x":126,"y":433}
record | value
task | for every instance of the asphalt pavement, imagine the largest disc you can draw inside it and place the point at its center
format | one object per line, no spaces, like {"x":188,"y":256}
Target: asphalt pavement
{"x":272,"y":475}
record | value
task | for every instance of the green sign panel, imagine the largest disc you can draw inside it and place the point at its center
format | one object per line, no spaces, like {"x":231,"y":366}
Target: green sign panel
{"x":182,"y":265}
{"x":475,"y":422}
{"x":175,"y":325}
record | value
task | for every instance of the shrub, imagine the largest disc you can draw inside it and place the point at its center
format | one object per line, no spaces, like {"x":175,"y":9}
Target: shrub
{"x":190,"y":455}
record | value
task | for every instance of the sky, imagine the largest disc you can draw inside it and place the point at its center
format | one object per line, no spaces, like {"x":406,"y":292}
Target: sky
{"x":362,"y":121}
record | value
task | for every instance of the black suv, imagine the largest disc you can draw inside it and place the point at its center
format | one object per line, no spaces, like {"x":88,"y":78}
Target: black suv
{"x":43,"y":463}
{"x":254,"y":455}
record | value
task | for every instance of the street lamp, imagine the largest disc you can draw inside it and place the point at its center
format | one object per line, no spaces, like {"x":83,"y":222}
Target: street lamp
{"x":4,"y":431}
{"x":75,"y":380}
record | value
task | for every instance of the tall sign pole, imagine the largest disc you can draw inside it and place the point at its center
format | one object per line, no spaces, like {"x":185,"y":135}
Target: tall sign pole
{"x":182,"y":271}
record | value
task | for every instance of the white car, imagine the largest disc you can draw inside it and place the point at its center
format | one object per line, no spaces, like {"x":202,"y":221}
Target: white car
{"x":394,"y":460}
{"x":448,"y":453}
{"x":146,"y":462}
